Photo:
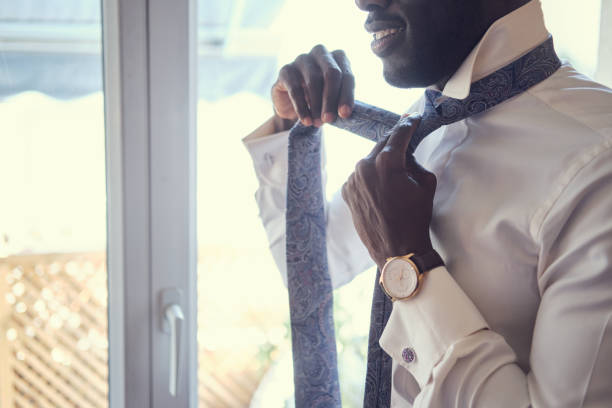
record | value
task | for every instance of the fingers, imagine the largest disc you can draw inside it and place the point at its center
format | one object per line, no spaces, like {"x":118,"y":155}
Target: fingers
{"x":348,"y":188}
{"x":344,"y":191}
{"x":291,"y":79}
{"x":377,"y":149}
{"x":332,"y":81}
{"x":313,"y":84}
{"x":419,"y":174}
{"x":392,"y":154}
{"x":346,"y":100}
{"x":318,"y":86}
{"x":399,"y":140}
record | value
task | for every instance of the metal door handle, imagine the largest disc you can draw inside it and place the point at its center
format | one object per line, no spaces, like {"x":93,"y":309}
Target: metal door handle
{"x":173,"y":315}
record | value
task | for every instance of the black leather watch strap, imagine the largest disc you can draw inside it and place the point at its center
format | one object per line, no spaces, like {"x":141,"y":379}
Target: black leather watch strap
{"x":427,"y":261}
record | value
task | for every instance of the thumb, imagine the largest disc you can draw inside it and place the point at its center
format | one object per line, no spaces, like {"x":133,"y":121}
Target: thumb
{"x":401,"y":134}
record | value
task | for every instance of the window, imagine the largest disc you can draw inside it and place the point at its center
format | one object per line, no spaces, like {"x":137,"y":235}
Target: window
{"x":53,"y":294}
{"x":56,"y":336}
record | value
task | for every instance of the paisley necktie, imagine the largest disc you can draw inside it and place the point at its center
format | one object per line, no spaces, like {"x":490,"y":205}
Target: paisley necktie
{"x":309,"y":283}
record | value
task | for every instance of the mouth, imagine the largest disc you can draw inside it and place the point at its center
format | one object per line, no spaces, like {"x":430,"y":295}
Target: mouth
{"x":379,"y":35}
{"x":386,"y":39}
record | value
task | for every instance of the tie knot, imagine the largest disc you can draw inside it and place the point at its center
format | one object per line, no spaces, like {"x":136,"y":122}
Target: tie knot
{"x":433,"y":97}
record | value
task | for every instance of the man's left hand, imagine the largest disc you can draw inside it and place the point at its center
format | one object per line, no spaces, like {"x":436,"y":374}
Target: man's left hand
{"x":391,"y":197}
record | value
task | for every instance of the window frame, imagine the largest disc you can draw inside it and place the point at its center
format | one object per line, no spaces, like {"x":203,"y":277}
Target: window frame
{"x":150,"y":104}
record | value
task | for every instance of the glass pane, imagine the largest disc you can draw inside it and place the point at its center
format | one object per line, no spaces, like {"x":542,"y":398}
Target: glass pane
{"x":53,"y":295}
{"x":244,"y":349}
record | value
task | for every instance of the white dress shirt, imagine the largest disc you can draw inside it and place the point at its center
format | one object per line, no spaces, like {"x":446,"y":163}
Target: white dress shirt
{"x":522,"y":313}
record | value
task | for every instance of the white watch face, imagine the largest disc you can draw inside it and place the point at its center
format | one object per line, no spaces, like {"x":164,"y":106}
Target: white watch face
{"x":400,"y":278}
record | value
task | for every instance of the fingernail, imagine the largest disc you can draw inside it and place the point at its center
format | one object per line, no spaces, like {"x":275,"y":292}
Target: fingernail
{"x":328,"y":117}
{"x":411,"y":115}
{"x":307,"y":122}
{"x":407,"y":118}
{"x":318,"y":123}
{"x":344,"y":111}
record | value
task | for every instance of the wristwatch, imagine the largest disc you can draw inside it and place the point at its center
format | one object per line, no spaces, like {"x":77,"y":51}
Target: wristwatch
{"x":402,"y":277}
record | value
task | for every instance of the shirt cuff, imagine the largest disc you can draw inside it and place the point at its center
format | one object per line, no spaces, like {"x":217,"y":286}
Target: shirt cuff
{"x":268,"y":151}
{"x":420,"y":330}
{"x":266,"y":129}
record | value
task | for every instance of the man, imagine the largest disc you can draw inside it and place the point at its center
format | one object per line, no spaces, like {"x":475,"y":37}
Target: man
{"x":516,"y":200}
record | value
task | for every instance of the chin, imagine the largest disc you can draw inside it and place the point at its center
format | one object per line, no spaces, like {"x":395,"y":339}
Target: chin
{"x":408,"y":76}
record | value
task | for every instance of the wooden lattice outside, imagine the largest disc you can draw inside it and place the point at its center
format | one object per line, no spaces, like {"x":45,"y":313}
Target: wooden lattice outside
{"x":54,"y":347}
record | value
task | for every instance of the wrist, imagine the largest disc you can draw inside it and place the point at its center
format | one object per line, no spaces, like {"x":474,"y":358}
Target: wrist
{"x":402,"y":276}
{"x":425,"y":246}
{"x":419,"y":250}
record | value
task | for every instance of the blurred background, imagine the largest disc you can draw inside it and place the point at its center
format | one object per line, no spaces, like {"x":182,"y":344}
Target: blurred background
{"x":53,"y":279}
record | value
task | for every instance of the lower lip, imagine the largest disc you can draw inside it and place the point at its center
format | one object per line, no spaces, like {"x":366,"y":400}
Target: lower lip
{"x":384,"y":46}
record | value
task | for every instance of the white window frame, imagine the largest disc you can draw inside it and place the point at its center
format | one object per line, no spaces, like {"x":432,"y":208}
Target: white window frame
{"x":150,"y":101}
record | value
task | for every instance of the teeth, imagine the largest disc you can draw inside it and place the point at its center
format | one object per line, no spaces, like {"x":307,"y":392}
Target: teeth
{"x":384,"y":33}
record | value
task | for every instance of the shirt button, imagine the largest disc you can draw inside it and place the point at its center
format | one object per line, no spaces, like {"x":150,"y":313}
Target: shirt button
{"x":268,"y":159}
{"x":408,"y":355}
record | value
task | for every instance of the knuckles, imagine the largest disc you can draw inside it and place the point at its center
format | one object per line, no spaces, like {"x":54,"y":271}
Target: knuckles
{"x":339,"y":54}
{"x":302,"y":59}
{"x":314,"y":79}
{"x":287,"y":75}
{"x":319,"y":49}
{"x":349,"y":190}
{"x":345,"y":191}
{"x":385,"y":159}
{"x":332,"y":74}
{"x":349,"y":79}
{"x":363,"y":166}
{"x":285,"y":70}
{"x":305,"y":67}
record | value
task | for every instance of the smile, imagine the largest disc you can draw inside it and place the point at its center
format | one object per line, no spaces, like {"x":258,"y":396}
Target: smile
{"x":379,"y":35}
{"x":386,"y":40}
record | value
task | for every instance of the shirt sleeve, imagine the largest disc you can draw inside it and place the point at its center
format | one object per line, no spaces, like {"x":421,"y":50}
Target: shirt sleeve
{"x":441,"y":339}
{"x":347,"y":256}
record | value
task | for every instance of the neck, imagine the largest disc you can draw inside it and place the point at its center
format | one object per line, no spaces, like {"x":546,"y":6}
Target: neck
{"x":490,"y":11}
{"x":442,"y":83}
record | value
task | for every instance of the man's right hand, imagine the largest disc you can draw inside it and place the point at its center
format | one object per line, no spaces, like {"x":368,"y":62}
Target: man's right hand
{"x":315,"y":88}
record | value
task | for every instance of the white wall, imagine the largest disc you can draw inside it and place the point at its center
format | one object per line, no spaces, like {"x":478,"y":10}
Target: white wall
{"x":604,"y":68}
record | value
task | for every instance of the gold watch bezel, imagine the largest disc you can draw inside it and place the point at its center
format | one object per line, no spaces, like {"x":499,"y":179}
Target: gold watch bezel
{"x":406,"y":258}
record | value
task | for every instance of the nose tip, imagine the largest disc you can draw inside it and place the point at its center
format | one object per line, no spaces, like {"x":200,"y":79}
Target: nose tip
{"x":370,"y":5}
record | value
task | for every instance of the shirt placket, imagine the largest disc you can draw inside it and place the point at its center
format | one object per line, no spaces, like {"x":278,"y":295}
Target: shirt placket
{"x":453,"y":137}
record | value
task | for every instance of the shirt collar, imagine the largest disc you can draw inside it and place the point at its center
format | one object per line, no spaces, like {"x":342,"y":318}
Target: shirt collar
{"x":508,"y":39}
